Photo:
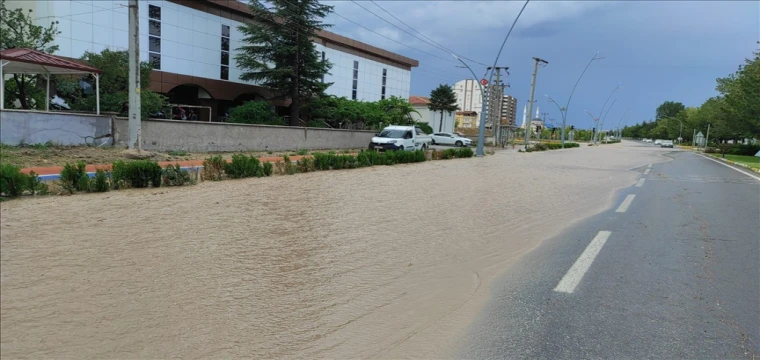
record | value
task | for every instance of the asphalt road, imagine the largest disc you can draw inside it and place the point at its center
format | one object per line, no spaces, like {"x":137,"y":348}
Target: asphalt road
{"x":671,"y":271}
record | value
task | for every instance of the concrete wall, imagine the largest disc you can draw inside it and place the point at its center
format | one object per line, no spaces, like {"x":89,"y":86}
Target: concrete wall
{"x":195,"y":136}
{"x":36,"y":127}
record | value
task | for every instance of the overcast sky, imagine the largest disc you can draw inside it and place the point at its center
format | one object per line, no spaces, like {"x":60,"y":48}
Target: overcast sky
{"x":657,"y":50}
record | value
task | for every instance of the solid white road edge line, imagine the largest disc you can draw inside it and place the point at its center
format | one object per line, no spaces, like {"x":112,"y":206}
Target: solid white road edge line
{"x":646,"y":172}
{"x":640,"y":183}
{"x":730,"y":167}
{"x":626,"y":203}
{"x":573,"y":277}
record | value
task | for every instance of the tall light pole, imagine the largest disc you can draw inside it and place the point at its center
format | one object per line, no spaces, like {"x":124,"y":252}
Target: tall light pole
{"x":528,"y":129}
{"x":605,"y":115}
{"x":619,"y":135}
{"x":596,"y":121}
{"x":605,"y":104}
{"x":563,"y":109}
{"x":482,"y":125}
{"x":134,"y":77}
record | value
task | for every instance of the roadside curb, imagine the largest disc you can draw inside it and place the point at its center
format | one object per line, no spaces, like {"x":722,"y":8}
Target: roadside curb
{"x":726,"y":161}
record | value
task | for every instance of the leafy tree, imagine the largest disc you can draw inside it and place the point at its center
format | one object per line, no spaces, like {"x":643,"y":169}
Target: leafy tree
{"x":114,"y":85}
{"x":398,"y":110}
{"x":443,"y":99}
{"x":18,"y":30}
{"x":669,"y":109}
{"x":255,"y":112}
{"x":344,"y":113}
{"x":741,"y":97}
{"x":279,"y":52}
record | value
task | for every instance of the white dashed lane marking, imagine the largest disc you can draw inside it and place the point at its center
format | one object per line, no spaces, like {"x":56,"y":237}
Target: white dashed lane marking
{"x":646,"y":172}
{"x":574,"y":276}
{"x":641,"y":182}
{"x":626,"y":203}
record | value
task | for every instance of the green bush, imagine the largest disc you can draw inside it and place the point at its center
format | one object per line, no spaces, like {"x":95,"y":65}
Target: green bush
{"x":363,"y":158}
{"x":213,"y":168}
{"x":243,"y":166}
{"x":12,"y":181}
{"x":175,"y":176}
{"x":84,"y":182}
{"x":139,"y":173}
{"x":321,"y":161}
{"x":255,"y":112}
{"x":118,"y":175}
{"x":449,"y":154}
{"x":302,"y":152}
{"x":267,"y":168}
{"x":540,"y":147}
{"x":35,"y":185}
{"x":305,"y":164}
{"x":712,"y":150}
{"x":740,"y":149}
{"x":463,"y":153}
{"x":178,"y":153}
{"x":99,"y":183}
{"x":70,"y":176}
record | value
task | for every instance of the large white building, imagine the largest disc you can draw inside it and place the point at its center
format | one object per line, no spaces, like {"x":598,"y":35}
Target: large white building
{"x":468,"y":95}
{"x":193,"y":45}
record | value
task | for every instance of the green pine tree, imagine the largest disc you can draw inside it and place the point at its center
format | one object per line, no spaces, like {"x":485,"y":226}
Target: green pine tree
{"x":279,"y":52}
{"x":443,"y":99}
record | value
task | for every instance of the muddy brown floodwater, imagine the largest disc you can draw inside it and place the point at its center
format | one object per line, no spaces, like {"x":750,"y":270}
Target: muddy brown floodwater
{"x":383,"y":262}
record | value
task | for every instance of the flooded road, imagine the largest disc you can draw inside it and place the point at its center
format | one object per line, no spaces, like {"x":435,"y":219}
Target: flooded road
{"x":384,"y":262}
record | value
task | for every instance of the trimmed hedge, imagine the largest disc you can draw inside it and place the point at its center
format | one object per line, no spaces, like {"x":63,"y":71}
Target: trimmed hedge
{"x":14,"y":183}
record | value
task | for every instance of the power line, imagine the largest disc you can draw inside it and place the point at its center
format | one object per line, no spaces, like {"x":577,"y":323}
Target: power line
{"x":415,"y":30}
{"x":397,"y":42}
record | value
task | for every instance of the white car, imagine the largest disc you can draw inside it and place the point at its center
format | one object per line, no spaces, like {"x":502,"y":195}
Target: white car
{"x":646,"y":140}
{"x":658,"y":142}
{"x":450,"y":139}
{"x":407,"y":138}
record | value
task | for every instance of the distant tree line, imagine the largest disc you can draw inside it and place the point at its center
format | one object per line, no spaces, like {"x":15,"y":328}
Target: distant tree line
{"x":732,"y":115}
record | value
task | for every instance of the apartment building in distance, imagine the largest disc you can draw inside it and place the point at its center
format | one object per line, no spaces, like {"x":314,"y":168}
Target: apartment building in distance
{"x":468,"y":95}
{"x":192,"y":45}
{"x":508,"y":111}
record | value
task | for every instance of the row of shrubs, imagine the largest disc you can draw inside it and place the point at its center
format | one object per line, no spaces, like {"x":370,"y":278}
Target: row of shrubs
{"x":147,"y":173}
{"x":551,"y":146}
{"x":133,"y":174}
{"x":14,"y":183}
{"x":734,"y":149}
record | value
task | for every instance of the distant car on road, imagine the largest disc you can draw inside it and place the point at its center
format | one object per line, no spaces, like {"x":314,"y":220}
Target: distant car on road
{"x":407,"y":138}
{"x":658,"y":141}
{"x":666,"y":144}
{"x":646,"y":140}
{"x":450,"y":139}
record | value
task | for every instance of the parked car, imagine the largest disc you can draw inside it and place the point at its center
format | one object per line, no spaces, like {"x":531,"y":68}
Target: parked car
{"x":450,"y":139}
{"x":646,"y":140}
{"x":658,"y":141}
{"x":666,"y":144}
{"x":407,"y":138}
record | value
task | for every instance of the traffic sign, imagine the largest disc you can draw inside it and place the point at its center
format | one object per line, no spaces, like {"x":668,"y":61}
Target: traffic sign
{"x":483,"y":82}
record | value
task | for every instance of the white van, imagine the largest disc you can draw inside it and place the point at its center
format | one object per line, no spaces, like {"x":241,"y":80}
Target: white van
{"x":407,"y":138}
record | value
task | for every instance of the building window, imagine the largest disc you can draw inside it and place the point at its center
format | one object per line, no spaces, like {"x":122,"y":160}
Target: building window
{"x":356,"y":80}
{"x":385,"y":78}
{"x":154,"y":12}
{"x":154,"y":44}
{"x":154,"y":27}
{"x":155,"y":61}
{"x":154,"y":40}
{"x":224,"y":71}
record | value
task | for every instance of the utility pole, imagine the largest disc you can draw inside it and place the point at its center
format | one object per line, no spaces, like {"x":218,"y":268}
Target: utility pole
{"x":134,"y":76}
{"x":693,"y":137}
{"x":707,"y":138}
{"x":496,"y":96}
{"x":530,"y":102}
